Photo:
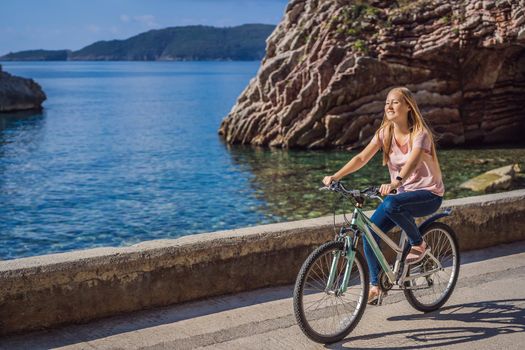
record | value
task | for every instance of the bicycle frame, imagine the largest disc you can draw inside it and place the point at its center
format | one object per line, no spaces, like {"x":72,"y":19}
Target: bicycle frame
{"x":363,"y":224}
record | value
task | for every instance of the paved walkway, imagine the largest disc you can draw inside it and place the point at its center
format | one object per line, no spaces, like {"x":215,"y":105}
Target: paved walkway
{"x":486,"y":311}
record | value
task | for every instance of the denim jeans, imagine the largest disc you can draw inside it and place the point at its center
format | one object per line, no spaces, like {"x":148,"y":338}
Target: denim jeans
{"x":400,"y":209}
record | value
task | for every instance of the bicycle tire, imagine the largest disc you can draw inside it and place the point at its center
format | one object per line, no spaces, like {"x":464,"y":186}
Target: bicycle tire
{"x":308,"y":325}
{"x":437,"y":234}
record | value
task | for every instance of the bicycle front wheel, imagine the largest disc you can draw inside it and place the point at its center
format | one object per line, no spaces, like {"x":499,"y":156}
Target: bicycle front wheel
{"x":431,"y":291}
{"x":326,"y":315}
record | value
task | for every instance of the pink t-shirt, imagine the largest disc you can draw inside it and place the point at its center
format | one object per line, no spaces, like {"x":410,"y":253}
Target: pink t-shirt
{"x":426,"y":175}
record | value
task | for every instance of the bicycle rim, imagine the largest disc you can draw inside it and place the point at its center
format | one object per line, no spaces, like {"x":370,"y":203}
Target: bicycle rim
{"x":430,"y":292}
{"x":328,"y":316}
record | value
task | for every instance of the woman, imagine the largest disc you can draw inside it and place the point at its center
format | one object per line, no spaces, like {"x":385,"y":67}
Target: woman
{"x":409,"y":151}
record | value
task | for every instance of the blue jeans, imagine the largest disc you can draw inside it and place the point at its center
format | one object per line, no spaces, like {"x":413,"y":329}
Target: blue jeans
{"x":400,"y":209}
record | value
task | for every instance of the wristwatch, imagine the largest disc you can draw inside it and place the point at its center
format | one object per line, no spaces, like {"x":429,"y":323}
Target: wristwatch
{"x":399,"y":178}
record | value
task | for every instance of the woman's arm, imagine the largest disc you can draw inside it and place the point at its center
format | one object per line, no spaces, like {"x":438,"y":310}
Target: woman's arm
{"x":355,"y":163}
{"x":413,"y":160}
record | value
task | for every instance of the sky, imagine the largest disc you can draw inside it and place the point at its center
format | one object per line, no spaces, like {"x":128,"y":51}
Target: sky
{"x":73,"y":24}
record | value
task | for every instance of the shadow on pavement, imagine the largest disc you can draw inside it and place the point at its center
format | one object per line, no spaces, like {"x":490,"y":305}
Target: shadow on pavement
{"x":492,"y":252}
{"x":500,"y":317}
{"x":140,"y":320}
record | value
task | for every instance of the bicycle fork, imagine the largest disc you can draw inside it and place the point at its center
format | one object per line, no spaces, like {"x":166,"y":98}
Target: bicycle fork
{"x":349,"y":254}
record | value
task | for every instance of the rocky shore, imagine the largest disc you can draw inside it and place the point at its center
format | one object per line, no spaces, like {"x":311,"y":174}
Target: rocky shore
{"x":329,"y":65}
{"x":18,"y":94}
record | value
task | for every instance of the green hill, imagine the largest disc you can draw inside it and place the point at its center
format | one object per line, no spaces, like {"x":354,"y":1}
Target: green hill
{"x":37,"y":55}
{"x":245,"y":42}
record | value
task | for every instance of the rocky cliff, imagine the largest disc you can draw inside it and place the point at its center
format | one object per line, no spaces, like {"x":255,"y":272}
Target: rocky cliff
{"x":17,"y":94}
{"x":330,"y":63}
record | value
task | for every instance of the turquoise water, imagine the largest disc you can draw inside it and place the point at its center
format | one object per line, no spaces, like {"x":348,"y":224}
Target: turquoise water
{"x":123,"y":152}
{"x":128,"y":151}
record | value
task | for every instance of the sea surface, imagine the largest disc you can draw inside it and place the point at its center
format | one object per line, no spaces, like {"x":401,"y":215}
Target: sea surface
{"x":128,"y":151}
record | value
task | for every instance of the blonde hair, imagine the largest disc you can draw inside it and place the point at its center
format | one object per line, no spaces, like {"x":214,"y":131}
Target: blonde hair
{"x":416,"y":125}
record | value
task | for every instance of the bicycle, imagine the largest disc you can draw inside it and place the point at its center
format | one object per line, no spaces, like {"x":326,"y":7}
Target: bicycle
{"x":331,"y":290}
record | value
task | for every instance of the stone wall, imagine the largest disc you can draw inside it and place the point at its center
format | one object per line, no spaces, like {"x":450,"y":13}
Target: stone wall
{"x":50,"y":290}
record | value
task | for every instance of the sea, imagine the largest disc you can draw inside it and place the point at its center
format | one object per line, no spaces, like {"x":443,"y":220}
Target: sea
{"x":122,"y":152}
{"x":125,"y":152}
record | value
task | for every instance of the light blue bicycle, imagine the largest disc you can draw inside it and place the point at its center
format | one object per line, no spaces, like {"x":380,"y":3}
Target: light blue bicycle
{"x":331,"y":289}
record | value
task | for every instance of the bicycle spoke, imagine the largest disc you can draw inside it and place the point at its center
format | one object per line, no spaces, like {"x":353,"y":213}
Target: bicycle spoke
{"x":314,"y":287}
{"x":320,"y":278}
{"x":325,"y":297}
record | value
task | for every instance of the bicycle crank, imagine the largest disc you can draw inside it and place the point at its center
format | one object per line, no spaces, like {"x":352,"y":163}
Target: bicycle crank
{"x":384,"y":282}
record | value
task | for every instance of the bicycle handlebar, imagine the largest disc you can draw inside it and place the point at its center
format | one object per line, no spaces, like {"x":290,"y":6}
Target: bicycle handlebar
{"x":370,"y":192}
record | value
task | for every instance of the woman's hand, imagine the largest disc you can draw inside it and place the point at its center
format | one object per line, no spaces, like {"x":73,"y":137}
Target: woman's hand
{"x":328,"y":180}
{"x":385,"y":189}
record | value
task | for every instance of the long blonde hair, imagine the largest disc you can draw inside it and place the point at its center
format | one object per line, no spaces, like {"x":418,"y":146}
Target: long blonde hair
{"x":416,"y":124}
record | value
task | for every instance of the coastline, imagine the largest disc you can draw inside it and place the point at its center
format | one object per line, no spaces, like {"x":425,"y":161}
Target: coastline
{"x":107,"y":281}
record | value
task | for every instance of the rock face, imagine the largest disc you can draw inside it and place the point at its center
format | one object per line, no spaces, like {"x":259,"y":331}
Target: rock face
{"x":17,"y":94}
{"x":330,"y":63}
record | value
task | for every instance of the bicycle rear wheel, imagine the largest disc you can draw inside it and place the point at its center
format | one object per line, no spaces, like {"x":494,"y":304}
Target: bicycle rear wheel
{"x":326,"y":316}
{"x":429,"y":293}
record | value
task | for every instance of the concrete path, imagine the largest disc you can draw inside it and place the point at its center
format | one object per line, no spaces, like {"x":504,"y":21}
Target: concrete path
{"x":486,"y":311}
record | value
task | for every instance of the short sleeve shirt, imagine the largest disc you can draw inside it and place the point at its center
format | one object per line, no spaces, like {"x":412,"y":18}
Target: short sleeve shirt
{"x":426,"y":175}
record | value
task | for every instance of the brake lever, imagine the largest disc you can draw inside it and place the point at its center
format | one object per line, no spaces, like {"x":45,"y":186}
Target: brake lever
{"x":377,"y":197}
{"x":376,"y":194}
{"x":333,"y":185}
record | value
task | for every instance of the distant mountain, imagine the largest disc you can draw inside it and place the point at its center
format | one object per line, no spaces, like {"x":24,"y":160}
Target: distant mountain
{"x":37,"y":55}
{"x":190,"y":43}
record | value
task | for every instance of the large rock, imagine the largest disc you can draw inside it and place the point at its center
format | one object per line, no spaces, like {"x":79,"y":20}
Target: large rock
{"x":330,"y":63}
{"x":17,"y":94}
{"x":495,"y":179}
